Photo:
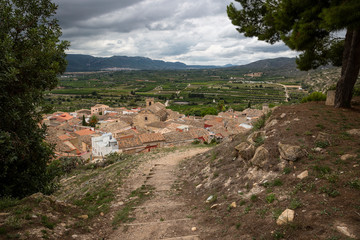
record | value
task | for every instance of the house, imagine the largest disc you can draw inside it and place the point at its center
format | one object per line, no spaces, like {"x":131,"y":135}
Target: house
{"x":130,"y":144}
{"x":152,"y":140}
{"x":99,"y":109}
{"x":177,"y":138}
{"x":103,"y":145}
{"x":154,"y":112}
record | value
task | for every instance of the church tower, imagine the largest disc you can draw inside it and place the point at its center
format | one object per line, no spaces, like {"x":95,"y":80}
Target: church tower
{"x":149,"y":102}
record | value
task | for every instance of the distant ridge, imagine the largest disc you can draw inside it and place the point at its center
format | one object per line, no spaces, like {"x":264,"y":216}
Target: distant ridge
{"x":87,"y":63}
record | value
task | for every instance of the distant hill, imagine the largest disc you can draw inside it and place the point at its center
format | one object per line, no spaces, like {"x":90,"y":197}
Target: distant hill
{"x":84,"y":63}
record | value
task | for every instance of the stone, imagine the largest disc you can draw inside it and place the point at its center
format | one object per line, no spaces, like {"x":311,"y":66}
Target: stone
{"x":283,"y":115}
{"x":74,"y":236}
{"x":246,"y":150}
{"x":355,"y":132}
{"x":63,"y":224}
{"x":233,"y":205}
{"x":214,"y":206}
{"x":198,"y":186}
{"x":228,"y":182}
{"x":330,"y":98}
{"x":4,"y":214}
{"x":323,"y":137}
{"x":255,"y":135}
{"x":193,"y":229}
{"x":261,"y":157}
{"x":303,"y":175}
{"x":210,"y":198}
{"x":345,"y":230}
{"x":102,"y":214}
{"x":347,"y":157}
{"x":271,"y":124}
{"x":286,"y":216}
{"x":84,"y":217}
{"x":290,"y":152}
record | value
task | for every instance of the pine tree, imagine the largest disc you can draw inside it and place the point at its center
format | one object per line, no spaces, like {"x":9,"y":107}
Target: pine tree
{"x":309,"y":27}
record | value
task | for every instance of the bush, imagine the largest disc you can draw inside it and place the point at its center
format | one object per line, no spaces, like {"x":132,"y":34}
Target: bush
{"x":314,"y":97}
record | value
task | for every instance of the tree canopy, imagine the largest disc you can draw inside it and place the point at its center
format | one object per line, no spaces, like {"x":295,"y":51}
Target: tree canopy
{"x":311,"y":27}
{"x":31,"y":57}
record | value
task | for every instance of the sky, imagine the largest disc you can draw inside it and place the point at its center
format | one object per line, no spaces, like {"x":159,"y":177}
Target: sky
{"x":195,"y":32}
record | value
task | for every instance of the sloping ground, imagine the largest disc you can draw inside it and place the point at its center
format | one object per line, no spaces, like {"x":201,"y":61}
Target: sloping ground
{"x":240,"y":193}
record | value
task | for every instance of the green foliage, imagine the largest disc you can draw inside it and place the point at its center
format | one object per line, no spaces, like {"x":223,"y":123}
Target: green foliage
{"x":31,"y":57}
{"x":270,"y":198}
{"x":93,"y":121}
{"x":314,"y":97}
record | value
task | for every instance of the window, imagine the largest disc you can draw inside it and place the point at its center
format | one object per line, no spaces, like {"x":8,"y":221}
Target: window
{"x":146,"y":118}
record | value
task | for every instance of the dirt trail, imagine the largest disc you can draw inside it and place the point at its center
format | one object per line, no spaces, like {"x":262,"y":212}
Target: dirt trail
{"x":164,"y":216}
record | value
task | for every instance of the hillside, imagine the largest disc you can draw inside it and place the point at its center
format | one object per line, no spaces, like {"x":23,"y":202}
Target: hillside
{"x":303,"y":158}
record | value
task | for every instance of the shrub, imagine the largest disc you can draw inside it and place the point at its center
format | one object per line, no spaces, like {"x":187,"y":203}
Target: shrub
{"x":314,"y":97}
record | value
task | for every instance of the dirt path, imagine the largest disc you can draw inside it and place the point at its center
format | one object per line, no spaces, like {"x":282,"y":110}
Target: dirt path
{"x":164,"y":216}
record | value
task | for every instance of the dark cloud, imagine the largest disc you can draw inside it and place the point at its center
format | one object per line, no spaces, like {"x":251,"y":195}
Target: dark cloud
{"x":195,"y":32}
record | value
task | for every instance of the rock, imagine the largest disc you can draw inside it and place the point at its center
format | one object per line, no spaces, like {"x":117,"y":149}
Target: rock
{"x":210,"y":198}
{"x":283,"y":115}
{"x":261,"y":157}
{"x":214,"y":206}
{"x":193,"y":229}
{"x":198,"y":186}
{"x":233,"y":205}
{"x":345,"y":230}
{"x":286,"y":216}
{"x":330,"y":98}
{"x":84,"y":217}
{"x":255,"y":135}
{"x":74,"y":236}
{"x":355,"y":132}
{"x":246,"y":150}
{"x":290,"y":152}
{"x":228,"y":182}
{"x":63,"y":224}
{"x":323,"y":137}
{"x":271,"y":124}
{"x":102,"y":214}
{"x":4,"y":214}
{"x":347,"y":157}
{"x":318,"y":149}
{"x":303,"y":175}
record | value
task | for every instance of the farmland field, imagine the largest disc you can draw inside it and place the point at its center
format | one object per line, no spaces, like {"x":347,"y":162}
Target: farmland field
{"x":196,"y":89}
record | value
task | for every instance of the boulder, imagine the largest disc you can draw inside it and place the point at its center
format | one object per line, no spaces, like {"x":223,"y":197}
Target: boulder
{"x":246,"y":150}
{"x":255,"y":135}
{"x":303,"y":175}
{"x":355,"y":132}
{"x":330,"y":98}
{"x":347,"y":157}
{"x":286,"y":216}
{"x":261,"y":157}
{"x":271,"y":124}
{"x":290,"y":152}
{"x":342,"y":228}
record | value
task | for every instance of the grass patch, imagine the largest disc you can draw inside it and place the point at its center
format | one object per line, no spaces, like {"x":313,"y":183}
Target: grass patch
{"x":8,"y":202}
{"x":47,"y":223}
{"x":270,"y":198}
{"x":138,"y":196}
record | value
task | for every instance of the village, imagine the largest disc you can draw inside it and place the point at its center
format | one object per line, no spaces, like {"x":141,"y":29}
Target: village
{"x":139,"y":129}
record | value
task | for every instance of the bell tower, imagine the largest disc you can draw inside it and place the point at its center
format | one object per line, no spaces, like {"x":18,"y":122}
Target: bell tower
{"x":149,"y":102}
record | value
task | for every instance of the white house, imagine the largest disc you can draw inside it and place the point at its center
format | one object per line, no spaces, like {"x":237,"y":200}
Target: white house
{"x":104,"y":145}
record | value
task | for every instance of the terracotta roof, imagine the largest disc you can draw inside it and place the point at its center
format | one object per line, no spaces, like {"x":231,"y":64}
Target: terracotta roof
{"x":151,"y":137}
{"x":64,"y":117}
{"x":84,"y":132}
{"x":129,"y":142}
{"x":158,"y":124}
{"x":178,"y":137}
{"x":198,"y":132}
{"x":64,"y":137}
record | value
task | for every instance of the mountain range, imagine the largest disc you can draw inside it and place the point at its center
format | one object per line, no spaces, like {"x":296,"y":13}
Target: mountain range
{"x":86,"y":63}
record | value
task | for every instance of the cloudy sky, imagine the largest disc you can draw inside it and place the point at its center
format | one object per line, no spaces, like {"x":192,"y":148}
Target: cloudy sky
{"x":190,"y":31}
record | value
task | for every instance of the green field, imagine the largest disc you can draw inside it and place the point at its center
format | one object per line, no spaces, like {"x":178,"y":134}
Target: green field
{"x":201,"y":89}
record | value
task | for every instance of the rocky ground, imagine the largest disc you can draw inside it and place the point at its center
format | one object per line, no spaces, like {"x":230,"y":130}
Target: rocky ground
{"x":296,"y":176}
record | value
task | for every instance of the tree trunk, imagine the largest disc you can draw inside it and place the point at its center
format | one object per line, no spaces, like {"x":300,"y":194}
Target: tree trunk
{"x":350,"y":69}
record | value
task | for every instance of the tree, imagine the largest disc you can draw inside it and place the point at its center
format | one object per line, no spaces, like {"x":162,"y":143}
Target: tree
{"x":93,"y":121}
{"x":309,"y":27}
{"x":84,"y":123}
{"x":31,"y":57}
